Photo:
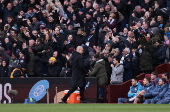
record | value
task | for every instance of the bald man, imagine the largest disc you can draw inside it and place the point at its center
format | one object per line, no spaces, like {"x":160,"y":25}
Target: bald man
{"x":78,"y":75}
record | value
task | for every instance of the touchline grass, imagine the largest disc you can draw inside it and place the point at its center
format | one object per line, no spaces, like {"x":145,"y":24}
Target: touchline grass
{"x":83,"y":108}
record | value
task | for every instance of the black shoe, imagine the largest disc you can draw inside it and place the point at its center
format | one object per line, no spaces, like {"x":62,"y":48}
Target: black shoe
{"x":83,"y":102}
{"x":62,"y":101}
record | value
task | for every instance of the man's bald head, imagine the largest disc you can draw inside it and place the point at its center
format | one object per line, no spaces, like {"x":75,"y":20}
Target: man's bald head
{"x":79,"y":49}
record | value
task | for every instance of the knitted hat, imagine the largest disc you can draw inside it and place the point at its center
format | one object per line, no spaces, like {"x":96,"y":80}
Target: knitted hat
{"x":52,"y":59}
{"x":42,"y":26}
{"x":23,"y":51}
{"x":82,"y":10}
{"x":30,"y":8}
{"x":90,"y":13}
{"x":103,"y":25}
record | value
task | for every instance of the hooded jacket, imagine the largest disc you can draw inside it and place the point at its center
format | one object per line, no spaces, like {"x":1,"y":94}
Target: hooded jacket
{"x":148,"y":89}
{"x":134,"y":89}
{"x":159,"y":91}
{"x":100,"y":72}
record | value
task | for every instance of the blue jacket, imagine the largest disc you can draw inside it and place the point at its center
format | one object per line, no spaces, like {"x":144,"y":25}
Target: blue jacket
{"x":167,"y":94}
{"x":127,"y":64}
{"x":134,"y":89}
{"x":159,"y":91}
{"x":148,"y":89}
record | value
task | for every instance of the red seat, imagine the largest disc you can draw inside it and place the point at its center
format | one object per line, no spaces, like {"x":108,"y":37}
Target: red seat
{"x":148,"y":75}
{"x":154,"y":82}
{"x":141,"y":82}
{"x":160,"y":75}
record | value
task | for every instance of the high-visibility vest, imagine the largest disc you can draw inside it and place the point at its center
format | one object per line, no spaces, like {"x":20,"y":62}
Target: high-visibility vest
{"x":12,"y":73}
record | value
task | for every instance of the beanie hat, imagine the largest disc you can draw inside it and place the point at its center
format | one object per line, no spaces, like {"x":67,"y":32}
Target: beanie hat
{"x":71,"y":50}
{"x":30,"y":8}
{"x":90,"y":13}
{"x":82,"y":10}
{"x":42,"y":26}
{"x":23,"y":51}
{"x":52,"y":59}
{"x":103,"y":25}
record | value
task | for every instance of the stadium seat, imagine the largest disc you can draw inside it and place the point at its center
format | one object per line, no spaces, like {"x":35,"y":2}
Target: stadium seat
{"x":148,"y":75}
{"x":163,"y":68}
{"x":141,"y":82}
{"x":154,"y":82}
{"x":160,"y":75}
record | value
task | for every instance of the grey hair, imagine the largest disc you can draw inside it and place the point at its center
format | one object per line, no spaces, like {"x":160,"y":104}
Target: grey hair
{"x":127,"y":50}
{"x":116,"y":39}
{"x":46,"y":12}
{"x":117,"y":50}
{"x":137,"y":7}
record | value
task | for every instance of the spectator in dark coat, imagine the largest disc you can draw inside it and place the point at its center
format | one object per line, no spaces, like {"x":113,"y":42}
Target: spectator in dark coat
{"x":54,"y":68}
{"x":135,"y":62}
{"x":69,"y":43}
{"x":78,"y":74}
{"x":38,"y":46}
{"x":4,"y":72}
{"x":38,"y":65}
{"x":9,"y":10}
{"x":126,"y":60}
{"x":159,"y":55}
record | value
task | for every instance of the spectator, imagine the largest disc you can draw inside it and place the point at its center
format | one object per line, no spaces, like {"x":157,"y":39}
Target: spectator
{"x":160,"y":54}
{"x":19,"y":72}
{"x":54,"y":68}
{"x":4,"y":69}
{"x":99,"y":70}
{"x":126,"y":60}
{"x":117,"y":72}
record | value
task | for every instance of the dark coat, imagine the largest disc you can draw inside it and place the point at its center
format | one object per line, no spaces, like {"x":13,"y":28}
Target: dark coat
{"x":127,"y":64}
{"x":159,"y":91}
{"x":100,"y":72}
{"x":79,"y":40}
{"x":101,"y":39}
{"x":159,"y":56}
{"x":78,"y":70}
{"x":38,"y":66}
{"x":4,"y":72}
{"x":54,"y":70}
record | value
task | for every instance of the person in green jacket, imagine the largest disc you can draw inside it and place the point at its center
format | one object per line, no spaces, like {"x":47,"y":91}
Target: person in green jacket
{"x":99,"y":70}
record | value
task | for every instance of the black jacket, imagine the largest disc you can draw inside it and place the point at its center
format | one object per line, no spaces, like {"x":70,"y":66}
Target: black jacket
{"x":159,"y":55}
{"x":78,"y":70}
{"x":54,"y":70}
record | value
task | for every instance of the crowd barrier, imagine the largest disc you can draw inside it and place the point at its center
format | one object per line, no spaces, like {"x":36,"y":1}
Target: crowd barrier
{"x":36,"y":88}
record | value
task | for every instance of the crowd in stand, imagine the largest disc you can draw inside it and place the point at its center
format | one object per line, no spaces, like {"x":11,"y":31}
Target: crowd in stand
{"x":120,"y":38}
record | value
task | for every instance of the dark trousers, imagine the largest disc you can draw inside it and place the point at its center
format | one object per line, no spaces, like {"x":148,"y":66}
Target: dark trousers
{"x":72,"y":90}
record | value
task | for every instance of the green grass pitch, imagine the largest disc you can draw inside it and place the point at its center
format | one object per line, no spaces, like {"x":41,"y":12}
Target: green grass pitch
{"x":83,"y":108}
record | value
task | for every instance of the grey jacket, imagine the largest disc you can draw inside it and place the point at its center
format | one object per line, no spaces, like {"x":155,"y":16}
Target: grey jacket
{"x":117,"y":74}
